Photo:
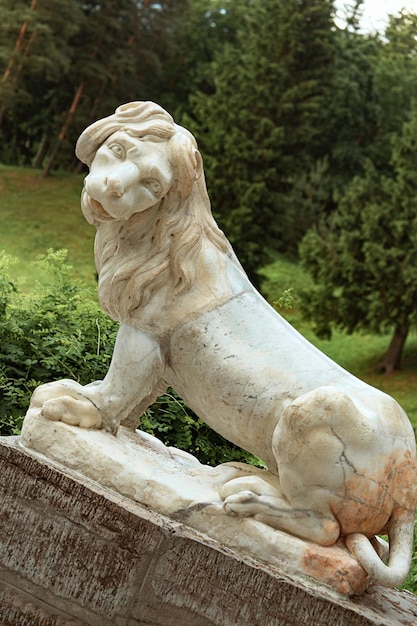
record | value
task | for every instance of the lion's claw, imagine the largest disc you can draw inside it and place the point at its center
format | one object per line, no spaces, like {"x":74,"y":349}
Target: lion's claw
{"x":241,"y":497}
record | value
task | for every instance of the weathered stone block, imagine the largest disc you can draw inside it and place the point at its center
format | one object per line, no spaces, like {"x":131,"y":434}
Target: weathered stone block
{"x":73,"y":552}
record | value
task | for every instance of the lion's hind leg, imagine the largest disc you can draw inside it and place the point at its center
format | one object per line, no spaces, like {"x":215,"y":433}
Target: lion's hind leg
{"x":252,"y":496}
{"x":317,"y":442}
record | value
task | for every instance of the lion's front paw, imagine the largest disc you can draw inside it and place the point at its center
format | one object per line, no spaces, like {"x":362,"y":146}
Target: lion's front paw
{"x":65,"y":401}
{"x":74,"y":412}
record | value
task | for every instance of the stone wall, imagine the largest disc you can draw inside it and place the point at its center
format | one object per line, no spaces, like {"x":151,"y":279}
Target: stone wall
{"x":73,"y":552}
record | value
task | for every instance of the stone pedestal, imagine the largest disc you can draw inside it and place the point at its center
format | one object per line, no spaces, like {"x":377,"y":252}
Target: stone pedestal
{"x":74,"y":552}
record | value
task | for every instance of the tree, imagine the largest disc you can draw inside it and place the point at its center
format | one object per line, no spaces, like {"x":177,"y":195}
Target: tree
{"x":205,"y":27}
{"x":260,"y":128}
{"x":34,"y":55}
{"x":395,"y":80}
{"x":363,"y":259}
{"x":353,"y":112}
{"x":68,"y":62}
{"x":350,"y":126}
{"x":20,"y":50}
{"x":103,"y":48}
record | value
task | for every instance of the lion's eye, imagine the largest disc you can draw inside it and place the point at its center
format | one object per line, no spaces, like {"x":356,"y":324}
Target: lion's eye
{"x":154,"y":185}
{"x":117,"y":150}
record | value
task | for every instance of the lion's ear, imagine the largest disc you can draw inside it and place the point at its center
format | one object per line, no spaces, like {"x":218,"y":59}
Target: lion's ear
{"x":199,"y":165}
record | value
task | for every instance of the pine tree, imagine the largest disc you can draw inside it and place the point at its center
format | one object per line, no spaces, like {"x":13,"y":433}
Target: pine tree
{"x":35,"y":53}
{"x":395,"y":83}
{"x":261,"y":126}
{"x":363,"y":260}
{"x":68,"y":62}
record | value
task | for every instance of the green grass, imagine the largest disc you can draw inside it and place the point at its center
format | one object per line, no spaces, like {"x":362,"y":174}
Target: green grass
{"x":37,"y":214}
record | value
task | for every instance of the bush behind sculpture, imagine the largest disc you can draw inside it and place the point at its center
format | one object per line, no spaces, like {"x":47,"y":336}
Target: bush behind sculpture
{"x":57,"y":330}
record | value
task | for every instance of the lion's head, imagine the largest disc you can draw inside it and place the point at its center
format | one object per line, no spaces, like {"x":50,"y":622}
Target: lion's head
{"x":129,"y":273}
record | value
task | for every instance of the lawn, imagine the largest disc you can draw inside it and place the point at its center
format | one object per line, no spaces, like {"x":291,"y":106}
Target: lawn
{"x":38,"y":214}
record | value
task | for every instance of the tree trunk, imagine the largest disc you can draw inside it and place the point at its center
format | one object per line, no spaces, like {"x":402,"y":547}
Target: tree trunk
{"x":19,"y":43}
{"x":25,"y":55}
{"x":42,"y":152}
{"x":392,"y":359}
{"x":65,"y":126}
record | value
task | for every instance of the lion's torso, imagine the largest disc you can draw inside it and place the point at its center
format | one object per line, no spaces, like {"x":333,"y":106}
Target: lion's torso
{"x":240,"y":365}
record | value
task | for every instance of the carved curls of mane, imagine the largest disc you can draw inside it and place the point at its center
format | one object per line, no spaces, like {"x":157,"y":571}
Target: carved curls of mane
{"x":182,"y":222}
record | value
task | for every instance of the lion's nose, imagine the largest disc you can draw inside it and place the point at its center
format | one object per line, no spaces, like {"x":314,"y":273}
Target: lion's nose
{"x":118,"y":181}
{"x":114,"y":186}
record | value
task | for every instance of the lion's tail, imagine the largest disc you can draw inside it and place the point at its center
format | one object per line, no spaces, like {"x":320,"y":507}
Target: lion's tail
{"x":400,"y":536}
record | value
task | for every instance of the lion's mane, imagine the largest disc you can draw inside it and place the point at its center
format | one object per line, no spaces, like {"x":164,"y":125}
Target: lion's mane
{"x":128,"y":276}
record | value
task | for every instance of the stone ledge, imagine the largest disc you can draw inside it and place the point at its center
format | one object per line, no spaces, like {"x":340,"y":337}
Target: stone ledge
{"x":73,"y":552}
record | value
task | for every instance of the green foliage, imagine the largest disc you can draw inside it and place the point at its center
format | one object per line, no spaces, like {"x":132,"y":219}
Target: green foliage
{"x":259,"y":128}
{"x":54,"y":331}
{"x":363,"y":259}
{"x":176,"y":425}
{"x":285,"y":116}
{"x":292,"y":116}
{"x":395,"y":67}
{"x":353,"y":108}
{"x":35,"y":55}
{"x":285,"y":301}
{"x":206,"y":26}
{"x":105,"y":52}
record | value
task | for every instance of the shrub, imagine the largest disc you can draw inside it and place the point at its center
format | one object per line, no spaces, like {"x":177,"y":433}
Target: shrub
{"x":175,"y":424}
{"x":54,"y":330}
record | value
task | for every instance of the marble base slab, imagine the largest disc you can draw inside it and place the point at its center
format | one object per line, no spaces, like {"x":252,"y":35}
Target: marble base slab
{"x":173,"y":483}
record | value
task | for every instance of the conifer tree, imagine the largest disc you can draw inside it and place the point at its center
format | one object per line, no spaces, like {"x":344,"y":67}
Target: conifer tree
{"x":363,"y":259}
{"x":262,"y":125}
{"x":68,"y":62}
{"x":35,"y":53}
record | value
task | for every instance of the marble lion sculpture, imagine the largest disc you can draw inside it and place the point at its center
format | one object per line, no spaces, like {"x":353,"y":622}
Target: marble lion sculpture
{"x":340,"y":454}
